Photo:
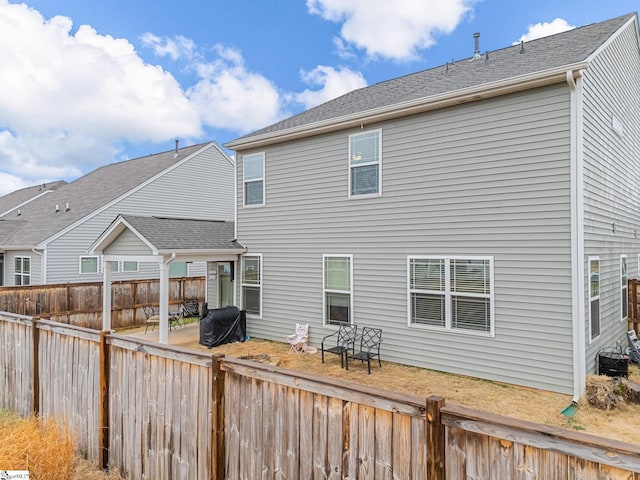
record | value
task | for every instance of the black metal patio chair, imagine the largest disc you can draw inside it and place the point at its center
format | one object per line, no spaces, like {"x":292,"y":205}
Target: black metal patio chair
{"x":344,"y":339}
{"x":369,"y":347}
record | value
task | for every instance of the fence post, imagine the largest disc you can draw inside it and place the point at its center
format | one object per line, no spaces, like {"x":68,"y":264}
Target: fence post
{"x":435,"y":439}
{"x":217,"y":419}
{"x":103,"y":407}
{"x":35,"y":368}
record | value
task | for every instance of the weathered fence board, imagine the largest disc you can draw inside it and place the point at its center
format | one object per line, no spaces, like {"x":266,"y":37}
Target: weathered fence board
{"x":16,"y":359}
{"x":306,"y":433}
{"x":69,"y":389}
{"x":160,"y":411}
{"x":80,"y":304}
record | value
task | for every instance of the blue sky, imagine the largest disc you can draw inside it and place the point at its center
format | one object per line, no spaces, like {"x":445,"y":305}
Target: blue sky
{"x":85,"y":84}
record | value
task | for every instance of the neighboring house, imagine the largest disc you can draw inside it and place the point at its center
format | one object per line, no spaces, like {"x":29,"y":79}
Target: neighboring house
{"x":47,"y":239}
{"x":14,"y":201}
{"x":484,"y":213}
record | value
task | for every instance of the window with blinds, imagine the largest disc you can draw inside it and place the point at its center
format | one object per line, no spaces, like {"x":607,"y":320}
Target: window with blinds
{"x":365,"y":163}
{"x":451,"y":293}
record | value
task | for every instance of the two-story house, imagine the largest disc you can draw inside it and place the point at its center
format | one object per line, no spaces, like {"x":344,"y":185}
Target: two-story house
{"x":485,"y":213}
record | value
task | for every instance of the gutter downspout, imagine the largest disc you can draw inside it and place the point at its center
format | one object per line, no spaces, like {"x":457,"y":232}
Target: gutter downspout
{"x":577,"y":237}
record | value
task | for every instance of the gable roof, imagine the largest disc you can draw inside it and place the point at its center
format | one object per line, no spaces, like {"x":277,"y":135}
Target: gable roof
{"x":18,"y":198}
{"x":173,"y":235}
{"x":542,"y":61}
{"x":38,"y":219}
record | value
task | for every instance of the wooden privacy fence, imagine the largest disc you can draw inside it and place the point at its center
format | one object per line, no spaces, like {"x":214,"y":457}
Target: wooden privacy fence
{"x":80,"y":304}
{"x":161,"y":412}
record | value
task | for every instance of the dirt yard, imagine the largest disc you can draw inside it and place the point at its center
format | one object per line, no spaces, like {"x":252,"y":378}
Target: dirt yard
{"x":509,"y":400}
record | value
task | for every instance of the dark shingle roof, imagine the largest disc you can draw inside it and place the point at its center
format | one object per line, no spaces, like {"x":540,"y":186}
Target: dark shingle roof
{"x":85,"y":195}
{"x":17,"y":198}
{"x":174,"y":234}
{"x":547,"y":53}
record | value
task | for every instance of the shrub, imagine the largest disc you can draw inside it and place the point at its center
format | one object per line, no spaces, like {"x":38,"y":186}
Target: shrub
{"x":41,"y":446}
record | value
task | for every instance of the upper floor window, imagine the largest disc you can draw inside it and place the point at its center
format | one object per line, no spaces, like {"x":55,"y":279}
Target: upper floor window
{"x":365,"y":163}
{"x":253,"y":174}
{"x":451,"y":293}
{"x":252,"y":284}
{"x":23,"y":271}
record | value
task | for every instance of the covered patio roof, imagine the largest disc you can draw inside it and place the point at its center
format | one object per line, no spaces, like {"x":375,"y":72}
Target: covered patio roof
{"x":162,"y":240}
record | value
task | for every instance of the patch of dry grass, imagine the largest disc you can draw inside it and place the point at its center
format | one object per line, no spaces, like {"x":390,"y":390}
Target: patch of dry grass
{"x":40,"y":446}
{"x":503,"y":399}
{"x":45,"y":448}
{"x":509,"y":400}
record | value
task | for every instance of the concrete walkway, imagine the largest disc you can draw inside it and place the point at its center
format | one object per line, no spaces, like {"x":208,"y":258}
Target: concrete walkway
{"x":187,"y":335}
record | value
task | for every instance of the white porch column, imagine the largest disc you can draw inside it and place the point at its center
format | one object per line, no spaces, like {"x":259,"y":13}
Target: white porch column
{"x":164,"y":300}
{"x":106,"y":296}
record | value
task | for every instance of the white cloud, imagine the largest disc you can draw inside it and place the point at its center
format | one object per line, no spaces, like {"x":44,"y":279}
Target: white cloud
{"x":333,"y":83}
{"x":545,"y":29}
{"x":175,"y":48}
{"x":230,"y":96}
{"x":383,"y":29}
{"x":68,"y":97}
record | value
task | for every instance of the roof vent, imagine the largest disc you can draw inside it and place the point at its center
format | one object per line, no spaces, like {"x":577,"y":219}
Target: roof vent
{"x":521,"y":46}
{"x":66,"y":208}
{"x":175,"y":154}
{"x":57,"y":208}
{"x":476,"y":53}
{"x":19,"y":212}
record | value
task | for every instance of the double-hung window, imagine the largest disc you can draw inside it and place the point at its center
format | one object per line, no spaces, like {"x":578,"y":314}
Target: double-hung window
{"x":624,"y":299}
{"x":594,"y":296}
{"x":22,"y":271}
{"x":252,"y":284}
{"x":253,"y":175}
{"x":338,"y":298}
{"x":451,"y":293}
{"x":365,"y":163}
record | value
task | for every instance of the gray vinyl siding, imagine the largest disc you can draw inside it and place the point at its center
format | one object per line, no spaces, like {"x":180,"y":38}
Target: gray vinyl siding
{"x":612,"y":180}
{"x":489,"y":178}
{"x":128,"y":243}
{"x":10,"y":265}
{"x":202,"y":187}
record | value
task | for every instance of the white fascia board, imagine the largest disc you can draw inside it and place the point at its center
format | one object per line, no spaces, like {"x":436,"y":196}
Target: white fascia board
{"x":133,"y":258}
{"x":456,"y":97}
{"x":86,"y":218}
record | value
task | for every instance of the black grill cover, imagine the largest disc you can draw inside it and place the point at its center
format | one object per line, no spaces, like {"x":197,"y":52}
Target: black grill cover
{"x":223,"y":325}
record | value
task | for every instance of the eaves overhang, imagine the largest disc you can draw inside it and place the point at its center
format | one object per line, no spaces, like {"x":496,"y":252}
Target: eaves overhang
{"x":420,"y":105}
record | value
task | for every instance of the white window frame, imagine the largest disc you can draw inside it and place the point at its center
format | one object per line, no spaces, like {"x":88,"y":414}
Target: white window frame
{"x":134,"y":270}
{"x":377,"y":162}
{"x":98,"y":260}
{"x":21,"y":274}
{"x":449,"y":294}
{"x":245,"y":180}
{"x":325,"y":320}
{"x":593,"y":298}
{"x":257,"y":285}
{"x":624,"y":279}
